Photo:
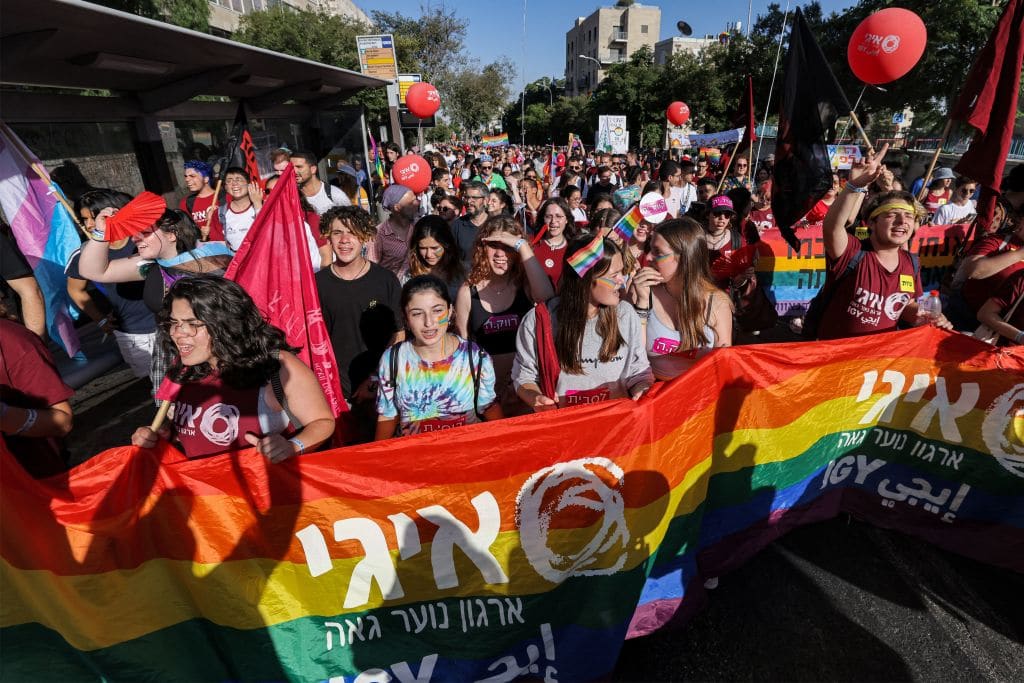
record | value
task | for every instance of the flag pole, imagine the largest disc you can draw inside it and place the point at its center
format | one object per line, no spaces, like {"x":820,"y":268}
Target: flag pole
{"x":725,"y":173}
{"x":923,"y":192}
{"x":43,"y":175}
{"x":161,"y":415}
{"x":212,"y":209}
{"x":863,"y":135}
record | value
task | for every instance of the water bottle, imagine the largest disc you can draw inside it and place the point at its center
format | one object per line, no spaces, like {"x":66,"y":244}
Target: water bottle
{"x":929,"y":307}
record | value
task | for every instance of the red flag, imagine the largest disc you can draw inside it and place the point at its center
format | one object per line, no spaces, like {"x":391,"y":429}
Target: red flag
{"x":745,"y":116}
{"x":273,"y":266}
{"x":988,"y":102}
{"x":242,"y":152}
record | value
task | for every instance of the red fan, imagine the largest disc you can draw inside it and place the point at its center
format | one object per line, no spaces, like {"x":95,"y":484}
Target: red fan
{"x":136,"y":216}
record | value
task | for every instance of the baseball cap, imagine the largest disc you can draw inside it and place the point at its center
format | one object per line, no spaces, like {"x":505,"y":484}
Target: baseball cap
{"x":721,"y":203}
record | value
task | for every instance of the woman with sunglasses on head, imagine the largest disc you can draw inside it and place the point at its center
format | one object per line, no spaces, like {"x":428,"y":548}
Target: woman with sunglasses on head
{"x":433,"y":251}
{"x":505,"y":282}
{"x":597,"y":336}
{"x":241,"y":384}
{"x":435,"y":379}
{"x":684,"y":312}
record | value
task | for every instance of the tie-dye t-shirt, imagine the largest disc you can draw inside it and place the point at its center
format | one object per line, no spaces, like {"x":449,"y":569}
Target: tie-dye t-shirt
{"x":434,"y":395}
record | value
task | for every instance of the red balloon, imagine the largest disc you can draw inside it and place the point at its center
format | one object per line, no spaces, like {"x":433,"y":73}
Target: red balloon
{"x":678,"y":113}
{"x":560,"y":160}
{"x":423,"y":100}
{"x":413,"y":171}
{"x":886,"y":45}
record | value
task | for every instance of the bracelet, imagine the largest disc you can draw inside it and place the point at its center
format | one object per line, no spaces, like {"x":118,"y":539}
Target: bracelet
{"x":855,"y":188}
{"x":297,"y":442}
{"x":1020,"y":337}
{"x":30,"y":419}
{"x":103,"y":322}
{"x":644,"y":313}
{"x":519,"y":243}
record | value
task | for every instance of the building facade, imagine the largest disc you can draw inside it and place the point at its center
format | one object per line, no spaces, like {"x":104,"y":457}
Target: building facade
{"x":608,"y":36}
{"x":225,"y":14}
{"x":673,"y":46}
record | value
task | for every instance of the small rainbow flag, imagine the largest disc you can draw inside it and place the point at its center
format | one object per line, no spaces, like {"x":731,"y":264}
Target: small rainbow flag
{"x":495,"y":140}
{"x":584,"y":259}
{"x":628,"y":224}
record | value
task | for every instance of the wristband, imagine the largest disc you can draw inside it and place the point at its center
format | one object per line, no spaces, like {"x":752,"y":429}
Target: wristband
{"x":519,"y":243}
{"x":644,"y":313}
{"x":301,"y":446}
{"x":103,"y":322}
{"x":1020,"y":337}
{"x":30,"y":419}
{"x":855,"y":188}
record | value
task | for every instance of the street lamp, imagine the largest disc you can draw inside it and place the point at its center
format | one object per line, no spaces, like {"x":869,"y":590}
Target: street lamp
{"x":595,"y":61}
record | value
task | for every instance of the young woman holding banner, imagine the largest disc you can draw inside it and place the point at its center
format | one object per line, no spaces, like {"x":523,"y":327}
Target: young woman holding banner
{"x":435,"y":380}
{"x":241,"y":384}
{"x":598,"y":338}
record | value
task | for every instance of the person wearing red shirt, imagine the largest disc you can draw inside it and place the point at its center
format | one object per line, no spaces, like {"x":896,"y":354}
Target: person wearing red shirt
{"x":199,"y":203}
{"x":884,"y":287}
{"x":1008,"y":297}
{"x":34,"y":409}
{"x":990,"y":261}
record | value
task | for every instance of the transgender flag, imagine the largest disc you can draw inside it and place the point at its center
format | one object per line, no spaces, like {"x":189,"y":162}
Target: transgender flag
{"x":43,"y":229}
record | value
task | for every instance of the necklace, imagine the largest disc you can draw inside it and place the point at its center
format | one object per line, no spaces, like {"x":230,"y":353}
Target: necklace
{"x":716,"y":241}
{"x":362,"y":271}
{"x":555,"y":246}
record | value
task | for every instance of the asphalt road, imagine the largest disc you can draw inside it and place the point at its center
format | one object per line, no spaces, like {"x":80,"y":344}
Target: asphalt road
{"x":839,"y":600}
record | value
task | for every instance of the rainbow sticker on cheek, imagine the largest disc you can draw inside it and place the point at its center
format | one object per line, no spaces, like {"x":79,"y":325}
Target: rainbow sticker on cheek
{"x":610,"y":283}
{"x":661,"y":257}
{"x":443,"y":320}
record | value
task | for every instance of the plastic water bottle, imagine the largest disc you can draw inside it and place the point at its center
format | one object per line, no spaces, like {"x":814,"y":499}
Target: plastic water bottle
{"x":929,"y":307}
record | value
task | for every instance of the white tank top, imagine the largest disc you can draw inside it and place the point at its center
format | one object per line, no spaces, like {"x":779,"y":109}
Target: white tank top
{"x":667,"y":360}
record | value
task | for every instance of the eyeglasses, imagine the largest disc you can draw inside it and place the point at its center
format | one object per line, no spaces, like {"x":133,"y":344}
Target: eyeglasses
{"x":236,"y":181}
{"x":189,"y":328}
{"x":487,"y":168}
{"x":476,"y":196}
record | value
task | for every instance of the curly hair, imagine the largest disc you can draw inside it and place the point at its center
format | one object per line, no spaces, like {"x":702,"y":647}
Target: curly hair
{"x":481,"y":269}
{"x":354,"y":218}
{"x":241,"y":339}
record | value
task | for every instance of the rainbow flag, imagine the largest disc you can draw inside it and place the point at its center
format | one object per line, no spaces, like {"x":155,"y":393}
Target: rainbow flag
{"x":495,"y":140}
{"x":470,"y":557}
{"x":378,"y":161}
{"x":584,"y":259}
{"x":628,"y":224}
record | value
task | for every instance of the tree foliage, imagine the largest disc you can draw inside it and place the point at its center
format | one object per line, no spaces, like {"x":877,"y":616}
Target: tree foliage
{"x":193,"y":14}
{"x":478,"y":96}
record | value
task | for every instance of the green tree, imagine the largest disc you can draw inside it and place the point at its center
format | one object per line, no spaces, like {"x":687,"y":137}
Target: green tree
{"x":479,"y":95}
{"x":193,"y":14}
{"x":432,"y":44}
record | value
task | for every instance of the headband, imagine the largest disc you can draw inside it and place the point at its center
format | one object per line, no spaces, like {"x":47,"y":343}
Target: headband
{"x":895,"y":205}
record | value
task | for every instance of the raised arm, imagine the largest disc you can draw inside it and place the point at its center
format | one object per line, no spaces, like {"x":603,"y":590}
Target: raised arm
{"x":95,"y":264}
{"x":848,"y":202}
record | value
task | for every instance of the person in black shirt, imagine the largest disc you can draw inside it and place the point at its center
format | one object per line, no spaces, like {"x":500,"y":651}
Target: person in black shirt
{"x":361,"y":307}
{"x":16,"y":278}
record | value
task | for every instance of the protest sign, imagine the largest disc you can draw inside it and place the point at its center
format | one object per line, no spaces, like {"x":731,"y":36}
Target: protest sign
{"x":724,"y":137}
{"x":612,"y":135}
{"x":526,"y":547}
{"x":791,"y":278}
{"x":843,"y":156}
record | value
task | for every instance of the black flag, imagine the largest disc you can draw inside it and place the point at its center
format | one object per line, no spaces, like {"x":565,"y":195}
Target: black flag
{"x":241,"y":151}
{"x":811,"y":102}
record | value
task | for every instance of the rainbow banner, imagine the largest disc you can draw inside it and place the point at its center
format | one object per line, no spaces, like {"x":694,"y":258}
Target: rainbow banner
{"x":529,"y":547}
{"x":500,"y":140}
{"x":792,"y":278}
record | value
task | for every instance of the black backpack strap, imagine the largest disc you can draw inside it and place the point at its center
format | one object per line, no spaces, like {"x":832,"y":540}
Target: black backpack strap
{"x":393,"y":378}
{"x":278,"y":388}
{"x":190,"y":202}
{"x":736,"y":239}
{"x":475,"y":370}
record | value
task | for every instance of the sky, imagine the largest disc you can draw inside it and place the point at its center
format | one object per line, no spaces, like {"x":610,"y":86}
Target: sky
{"x":496,"y":27}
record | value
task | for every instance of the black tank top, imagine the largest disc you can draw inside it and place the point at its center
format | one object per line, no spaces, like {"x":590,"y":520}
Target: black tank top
{"x":496,"y":332}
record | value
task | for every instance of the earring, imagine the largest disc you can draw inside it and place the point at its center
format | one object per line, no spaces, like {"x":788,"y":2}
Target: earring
{"x":363,"y":251}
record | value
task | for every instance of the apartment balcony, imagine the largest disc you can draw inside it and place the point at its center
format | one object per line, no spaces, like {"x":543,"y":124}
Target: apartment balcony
{"x":619,"y":36}
{"x":611,"y":58}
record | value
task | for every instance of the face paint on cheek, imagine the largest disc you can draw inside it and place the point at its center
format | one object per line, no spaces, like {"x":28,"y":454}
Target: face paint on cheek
{"x":609,"y":283}
{"x":662,"y":257}
{"x":444,"y":319}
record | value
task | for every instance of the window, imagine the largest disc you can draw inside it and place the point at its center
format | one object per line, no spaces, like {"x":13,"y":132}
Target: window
{"x":643,"y":28}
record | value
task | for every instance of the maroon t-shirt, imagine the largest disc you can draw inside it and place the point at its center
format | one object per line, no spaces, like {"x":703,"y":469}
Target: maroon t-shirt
{"x":200,"y":208}
{"x":29,"y":379}
{"x":550,"y":260}
{"x":976,"y":292}
{"x":1008,"y":293}
{"x":871,"y":299}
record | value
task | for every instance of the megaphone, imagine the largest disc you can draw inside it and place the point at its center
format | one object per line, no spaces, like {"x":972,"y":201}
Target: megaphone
{"x":684,"y":28}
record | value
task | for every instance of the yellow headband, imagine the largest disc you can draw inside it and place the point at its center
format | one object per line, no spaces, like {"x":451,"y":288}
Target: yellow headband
{"x":896,"y":205}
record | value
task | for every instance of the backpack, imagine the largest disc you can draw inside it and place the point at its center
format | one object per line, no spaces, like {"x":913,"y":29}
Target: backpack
{"x":821,"y":300}
{"x":474,"y":369}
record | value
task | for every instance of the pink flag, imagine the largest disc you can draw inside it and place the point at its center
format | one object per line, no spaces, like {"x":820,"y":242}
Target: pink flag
{"x":272,"y":265}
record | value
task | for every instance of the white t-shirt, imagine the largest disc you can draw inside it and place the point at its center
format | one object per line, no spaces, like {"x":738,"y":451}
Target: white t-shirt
{"x":237,"y":224}
{"x":950,"y":213}
{"x":321,"y":202}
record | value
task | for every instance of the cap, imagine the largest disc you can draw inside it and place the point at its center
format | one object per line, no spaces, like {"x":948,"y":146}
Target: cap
{"x":392,"y":195}
{"x":943,"y":173}
{"x":721,"y":203}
